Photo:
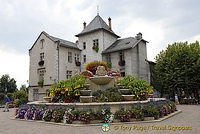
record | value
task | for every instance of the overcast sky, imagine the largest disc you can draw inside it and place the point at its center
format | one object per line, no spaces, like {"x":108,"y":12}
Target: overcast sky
{"x":161,"y":22}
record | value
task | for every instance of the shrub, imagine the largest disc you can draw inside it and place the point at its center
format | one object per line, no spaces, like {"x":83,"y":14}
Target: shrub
{"x":47,"y":116}
{"x":103,"y":113}
{"x":124,"y":115}
{"x":92,"y":66}
{"x":69,"y":116}
{"x":85,"y":116}
{"x":87,"y":73}
{"x":2,"y":98}
{"x":108,"y":95}
{"x":19,"y":102}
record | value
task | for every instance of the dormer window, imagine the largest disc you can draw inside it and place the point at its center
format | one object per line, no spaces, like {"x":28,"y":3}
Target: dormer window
{"x":41,"y":56}
{"x":84,"y":45}
{"x":42,"y":43}
{"x":96,"y":42}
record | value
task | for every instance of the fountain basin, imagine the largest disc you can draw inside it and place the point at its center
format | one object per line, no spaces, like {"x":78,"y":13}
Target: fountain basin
{"x":101,"y":80}
{"x":48,"y":99}
{"x":86,"y":99}
{"x":128,"y":97}
{"x":85,"y":92}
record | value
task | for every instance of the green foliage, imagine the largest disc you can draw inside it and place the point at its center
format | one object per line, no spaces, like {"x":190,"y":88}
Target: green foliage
{"x":178,"y":67}
{"x":108,"y":95}
{"x":69,"y":88}
{"x":139,"y":87}
{"x":9,"y":82}
{"x":10,"y":96}
{"x":41,"y":83}
{"x":20,"y":98}
{"x":2,"y":98}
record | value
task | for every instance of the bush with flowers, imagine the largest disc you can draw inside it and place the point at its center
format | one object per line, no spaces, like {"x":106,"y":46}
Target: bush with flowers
{"x":123,"y":114}
{"x":108,"y":95}
{"x":87,"y":73}
{"x":138,"y":111}
{"x":113,"y":73}
{"x":47,"y":116}
{"x":70,"y":116}
{"x":93,"y":65}
{"x":138,"y":87}
{"x":85,"y":116}
{"x":58,"y":114}
{"x":69,"y":90}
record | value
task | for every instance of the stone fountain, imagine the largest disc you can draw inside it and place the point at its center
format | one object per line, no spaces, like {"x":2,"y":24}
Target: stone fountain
{"x":101,"y":80}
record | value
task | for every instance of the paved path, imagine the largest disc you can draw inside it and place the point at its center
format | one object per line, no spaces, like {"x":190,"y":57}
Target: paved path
{"x":190,"y":116}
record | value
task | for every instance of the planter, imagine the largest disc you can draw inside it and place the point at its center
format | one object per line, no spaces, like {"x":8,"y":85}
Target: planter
{"x":128,"y":97}
{"x":77,"y":122}
{"x":48,"y":99}
{"x":148,"y":118}
{"x":78,"y":63}
{"x":116,"y":120}
{"x":86,"y":99}
{"x":41,"y":63}
{"x":121,"y":63}
{"x":96,"y":122}
{"x":125,"y":91}
{"x":85,"y":92}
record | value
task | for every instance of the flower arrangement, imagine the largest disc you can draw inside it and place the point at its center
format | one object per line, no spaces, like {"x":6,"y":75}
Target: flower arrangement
{"x":108,"y":95}
{"x":47,"y":116}
{"x":138,"y":87}
{"x":96,"y":48}
{"x":123,"y":115}
{"x":85,"y":117}
{"x":137,"y":111}
{"x":41,"y":83}
{"x":113,"y":73}
{"x":92,"y":66}
{"x":57,"y":115}
{"x":69,"y":116}
{"x":68,"y":90}
{"x":121,"y":63}
{"x":78,"y":63}
{"x":87,"y":73}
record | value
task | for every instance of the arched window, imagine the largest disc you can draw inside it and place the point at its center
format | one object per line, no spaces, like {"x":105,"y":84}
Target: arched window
{"x":42,"y":43}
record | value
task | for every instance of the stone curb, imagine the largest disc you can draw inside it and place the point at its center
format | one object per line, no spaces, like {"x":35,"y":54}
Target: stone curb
{"x":99,"y":124}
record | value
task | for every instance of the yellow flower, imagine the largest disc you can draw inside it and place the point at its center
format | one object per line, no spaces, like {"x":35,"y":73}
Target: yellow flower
{"x":63,"y":92}
{"x":66,"y":89}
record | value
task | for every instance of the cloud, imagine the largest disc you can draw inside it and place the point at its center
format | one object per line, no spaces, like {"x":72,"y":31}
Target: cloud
{"x":161,"y":22}
{"x":14,"y":64}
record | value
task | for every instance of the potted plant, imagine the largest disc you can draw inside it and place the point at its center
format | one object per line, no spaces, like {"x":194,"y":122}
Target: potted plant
{"x":96,"y":48}
{"x":41,"y":63}
{"x":121,"y":63}
{"x":78,"y":63}
{"x":41,"y":83}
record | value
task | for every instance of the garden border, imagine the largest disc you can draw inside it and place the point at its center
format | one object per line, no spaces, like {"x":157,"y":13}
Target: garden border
{"x":99,"y":124}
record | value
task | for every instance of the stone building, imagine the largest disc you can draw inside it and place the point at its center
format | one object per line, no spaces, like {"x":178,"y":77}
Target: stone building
{"x":53,"y":59}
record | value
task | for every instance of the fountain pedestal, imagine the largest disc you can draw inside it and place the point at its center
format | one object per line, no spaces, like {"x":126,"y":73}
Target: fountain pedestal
{"x":100,"y":82}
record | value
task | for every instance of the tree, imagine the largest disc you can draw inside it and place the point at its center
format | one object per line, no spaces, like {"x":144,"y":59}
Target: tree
{"x":178,"y":68}
{"x":10,"y":83}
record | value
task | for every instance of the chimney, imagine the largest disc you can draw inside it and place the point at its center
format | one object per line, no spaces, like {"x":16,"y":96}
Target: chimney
{"x":84,"y":25}
{"x":138,"y":36}
{"x":109,"y":23}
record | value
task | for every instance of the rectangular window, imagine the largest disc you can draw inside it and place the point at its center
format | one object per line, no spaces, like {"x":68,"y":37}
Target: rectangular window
{"x":108,"y":58}
{"x":121,"y":56}
{"x":77,"y":59}
{"x":35,"y":94}
{"x":69,"y":74}
{"x":96,"y":42}
{"x":84,"y":45}
{"x":41,"y":56}
{"x":69,"y":56}
{"x":84,"y":58}
{"x":41,"y":74}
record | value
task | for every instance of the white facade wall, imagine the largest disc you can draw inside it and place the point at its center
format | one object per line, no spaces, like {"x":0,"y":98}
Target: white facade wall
{"x":64,"y":65}
{"x":105,"y":39}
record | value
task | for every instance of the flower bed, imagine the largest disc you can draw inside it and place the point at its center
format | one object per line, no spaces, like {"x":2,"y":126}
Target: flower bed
{"x":70,"y":115}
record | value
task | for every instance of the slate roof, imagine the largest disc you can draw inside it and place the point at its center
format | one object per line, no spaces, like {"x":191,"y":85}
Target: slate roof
{"x":63,"y":43}
{"x":96,"y":24}
{"x":122,"y":44}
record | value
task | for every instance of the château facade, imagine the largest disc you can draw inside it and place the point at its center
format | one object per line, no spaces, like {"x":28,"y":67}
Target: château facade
{"x":53,"y":59}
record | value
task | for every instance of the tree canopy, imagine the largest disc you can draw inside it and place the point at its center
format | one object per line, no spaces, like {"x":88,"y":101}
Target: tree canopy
{"x":178,"y":67}
{"x":10,"y":83}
